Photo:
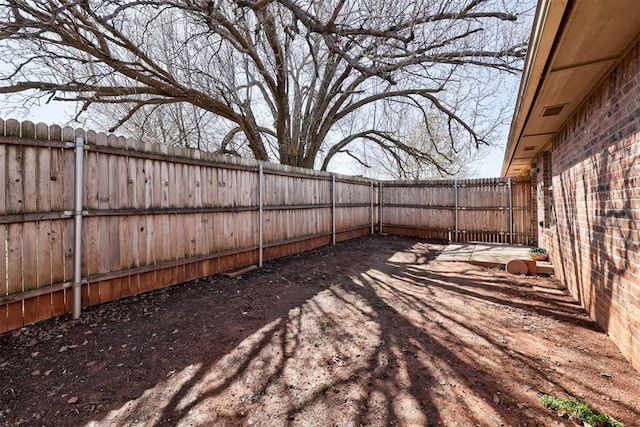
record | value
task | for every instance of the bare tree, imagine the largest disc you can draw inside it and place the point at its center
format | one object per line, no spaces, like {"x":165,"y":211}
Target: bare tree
{"x":290,"y":80}
{"x":427,"y":152}
{"x":179,"y":124}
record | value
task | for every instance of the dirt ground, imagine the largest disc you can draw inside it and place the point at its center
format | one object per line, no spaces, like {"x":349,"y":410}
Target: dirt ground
{"x":371,"y":332}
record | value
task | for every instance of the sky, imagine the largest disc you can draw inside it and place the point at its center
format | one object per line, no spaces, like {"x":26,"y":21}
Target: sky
{"x":489,"y":165}
{"x":61,"y":113}
{"x":54,"y":113}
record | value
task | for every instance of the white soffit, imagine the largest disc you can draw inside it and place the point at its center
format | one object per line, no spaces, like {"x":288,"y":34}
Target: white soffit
{"x":591,"y":38}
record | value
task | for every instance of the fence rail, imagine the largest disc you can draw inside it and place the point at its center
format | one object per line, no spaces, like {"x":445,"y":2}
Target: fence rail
{"x":153,"y":215}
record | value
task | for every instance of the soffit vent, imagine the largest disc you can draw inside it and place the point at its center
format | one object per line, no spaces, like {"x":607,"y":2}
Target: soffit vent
{"x":529,"y":148}
{"x":553,"y":110}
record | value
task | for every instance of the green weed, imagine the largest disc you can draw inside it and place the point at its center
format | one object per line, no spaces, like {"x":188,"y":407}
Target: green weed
{"x":577,"y":410}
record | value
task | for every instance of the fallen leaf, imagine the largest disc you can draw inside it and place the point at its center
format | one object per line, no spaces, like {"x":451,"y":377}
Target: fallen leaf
{"x":73,"y":400}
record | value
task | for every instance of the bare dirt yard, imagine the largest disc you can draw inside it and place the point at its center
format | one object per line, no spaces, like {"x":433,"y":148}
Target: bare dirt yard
{"x":370,"y":332}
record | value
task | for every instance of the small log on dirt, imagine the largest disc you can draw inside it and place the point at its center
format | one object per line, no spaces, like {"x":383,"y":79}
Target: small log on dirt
{"x":234,"y":274}
{"x":532,"y":267}
{"x":517,"y":266}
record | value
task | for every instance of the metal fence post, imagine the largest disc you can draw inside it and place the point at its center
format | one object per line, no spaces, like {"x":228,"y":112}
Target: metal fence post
{"x":260,"y":213}
{"x":381,"y":206}
{"x":333,"y":209}
{"x":77,"y":228}
{"x":455,"y":196}
{"x":372,"y":213}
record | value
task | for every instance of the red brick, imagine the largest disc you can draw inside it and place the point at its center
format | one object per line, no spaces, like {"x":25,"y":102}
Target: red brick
{"x":596,"y":183}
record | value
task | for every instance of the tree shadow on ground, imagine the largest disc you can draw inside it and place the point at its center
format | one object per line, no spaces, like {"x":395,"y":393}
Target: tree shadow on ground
{"x":370,"y":332}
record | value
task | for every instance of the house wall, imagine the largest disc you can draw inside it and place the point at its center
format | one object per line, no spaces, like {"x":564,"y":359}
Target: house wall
{"x":594,"y":234}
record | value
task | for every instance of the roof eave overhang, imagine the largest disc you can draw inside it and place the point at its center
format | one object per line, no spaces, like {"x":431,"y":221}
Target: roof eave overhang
{"x":574,"y":45}
{"x":545,"y":28}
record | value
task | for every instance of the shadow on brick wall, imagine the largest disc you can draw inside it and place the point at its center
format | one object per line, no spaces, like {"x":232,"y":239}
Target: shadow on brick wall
{"x":614,"y":221}
{"x":594,"y":238}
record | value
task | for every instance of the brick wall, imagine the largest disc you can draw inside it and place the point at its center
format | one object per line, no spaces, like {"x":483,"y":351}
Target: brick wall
{"x":595,"y":243}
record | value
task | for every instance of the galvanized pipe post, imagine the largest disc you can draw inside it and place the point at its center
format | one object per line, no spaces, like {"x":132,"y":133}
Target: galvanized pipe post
{"x":77,"y":229}
{"x":333,"y":209}
{"x":455,"y":196}
{"x":510,"y":212}
{"x":260,"y":213}
{"x":381,"y":207}
{"x":372,"y":213}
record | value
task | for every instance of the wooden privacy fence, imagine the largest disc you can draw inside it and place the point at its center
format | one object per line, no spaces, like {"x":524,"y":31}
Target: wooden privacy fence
{"x":495,"y":210}
{"x":150,"y":215}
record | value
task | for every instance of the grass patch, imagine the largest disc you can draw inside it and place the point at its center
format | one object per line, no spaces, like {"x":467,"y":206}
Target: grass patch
{"x":579,"y":411}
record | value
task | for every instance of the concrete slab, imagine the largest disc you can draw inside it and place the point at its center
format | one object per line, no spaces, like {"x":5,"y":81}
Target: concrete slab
{"x":457,"y":252}
{"x":490,"y":255}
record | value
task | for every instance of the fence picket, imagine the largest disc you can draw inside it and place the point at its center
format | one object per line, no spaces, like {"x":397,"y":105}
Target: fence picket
{"x":3,"y":176}
{"x":4,"y":291}
{"x":15,"y":238}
